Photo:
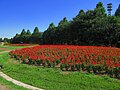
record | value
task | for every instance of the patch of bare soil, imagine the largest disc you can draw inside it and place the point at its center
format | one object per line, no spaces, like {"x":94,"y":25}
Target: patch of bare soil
{"x":65,"y":73}
{"x":2,"y":87}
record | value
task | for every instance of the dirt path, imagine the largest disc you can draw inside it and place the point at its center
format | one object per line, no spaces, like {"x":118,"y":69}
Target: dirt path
{"x":2,"y":87}
{"x":5,"y":51}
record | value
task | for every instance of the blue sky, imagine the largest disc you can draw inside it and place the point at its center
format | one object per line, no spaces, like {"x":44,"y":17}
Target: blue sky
{"x":18,"y":14}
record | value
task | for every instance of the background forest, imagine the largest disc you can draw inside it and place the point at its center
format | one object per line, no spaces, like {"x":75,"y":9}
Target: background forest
{"x":93,"y":27}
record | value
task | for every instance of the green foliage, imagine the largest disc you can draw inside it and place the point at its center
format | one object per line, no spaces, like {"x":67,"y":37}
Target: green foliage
{"x":36,"y":36}
{"x":0,"y":39}
{"x":23,"y":32}
{"x":27,"y":37}
{"x":93,"y":27}
{"x":49,"y":35}
{"x":117,"y":13}
{"x":6,"y":40}
{"x":88,"y":68}
{"x":78,"y":67}
{"x":116,"y":72}
{"x":63,"y":23}
{"x":36,"y":30}
{"x":51,"y":26}
{"x":72,"y":67}
{"x":100,"y":10}
{"x":28,"y":32}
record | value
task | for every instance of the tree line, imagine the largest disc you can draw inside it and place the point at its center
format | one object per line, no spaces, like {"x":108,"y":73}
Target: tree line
{"x":28,"y":37}
{"x":5,"y":40}
{"x":93,"y":27}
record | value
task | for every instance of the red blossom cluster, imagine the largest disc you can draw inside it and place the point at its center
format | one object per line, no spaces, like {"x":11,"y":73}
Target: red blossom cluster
{"x":68,"y":57}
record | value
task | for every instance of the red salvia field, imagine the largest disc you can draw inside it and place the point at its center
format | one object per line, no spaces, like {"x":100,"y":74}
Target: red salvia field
{"x":93,"y":59}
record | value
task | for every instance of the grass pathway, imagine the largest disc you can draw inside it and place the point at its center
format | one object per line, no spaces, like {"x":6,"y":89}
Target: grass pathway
{"x":15,"y":81}
{"x":18,"y":82}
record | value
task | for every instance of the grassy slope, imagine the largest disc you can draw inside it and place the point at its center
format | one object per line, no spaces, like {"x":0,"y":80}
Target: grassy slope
{"x":52,"y":79}
{"x":10,"y":85}
{"x":11,"y":47}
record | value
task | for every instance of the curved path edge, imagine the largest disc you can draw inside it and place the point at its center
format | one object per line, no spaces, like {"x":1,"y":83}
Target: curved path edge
{"x":17,"y":82}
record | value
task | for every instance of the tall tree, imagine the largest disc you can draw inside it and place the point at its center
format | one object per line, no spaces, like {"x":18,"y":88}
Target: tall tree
{"x":0,"y":39}
{"x":100,"y":10}
{"x":36,"y":30}
{"x":61,"y":30}
{"x":28,"y":32}
{"x":48,"y":35}
{"x":23,"y":32}
{"x":16,"y":38}
{"x":117,"y":13}
{"x":23,"y":36}
{"x":36,"y":36}
{"x":27,"y":36}
{"x":51,"y":26}
{"x":6,"y":40}
{"x":63,"y":23}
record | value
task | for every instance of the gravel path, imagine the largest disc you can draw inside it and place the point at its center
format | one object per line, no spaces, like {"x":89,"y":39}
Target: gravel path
{"x":15,"y":81}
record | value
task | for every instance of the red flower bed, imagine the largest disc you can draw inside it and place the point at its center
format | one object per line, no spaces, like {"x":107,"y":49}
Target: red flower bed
{"x":87,"y":58}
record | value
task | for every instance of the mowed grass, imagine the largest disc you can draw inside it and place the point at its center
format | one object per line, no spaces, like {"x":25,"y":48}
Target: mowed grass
{"x":54,"y":79}
{"x":4,"y":48}
{"x":4,"y":82}
{"x":10,"y":85}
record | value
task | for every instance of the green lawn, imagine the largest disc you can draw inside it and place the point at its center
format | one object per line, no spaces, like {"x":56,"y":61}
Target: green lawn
{"x":10,"y":47}
{"x":54,"y":79}
{"x":10,"y":85}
